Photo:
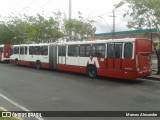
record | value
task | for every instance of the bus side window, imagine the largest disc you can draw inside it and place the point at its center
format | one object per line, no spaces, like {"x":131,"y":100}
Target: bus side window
{"x":16,"y":50}
{"x":31,"y":50}
{"x":88,"y":50}
{"x":94,"y":50}
{"x":118,"y":48}
{"x":11,"y":51}
{"x":128,"y":50}
{"x":44,"y":50}
{"x":101,"y":48}
{"x":60,"y":50}
{"x":25,"y":50}
{"x":63,"y":50}
{"x":73,"y":50}
{"x":1,"y":49}
{"x":84,"y":50}
{"x":21,"y":50}
{"x":37,"y":50}
{"x":110,"y":50}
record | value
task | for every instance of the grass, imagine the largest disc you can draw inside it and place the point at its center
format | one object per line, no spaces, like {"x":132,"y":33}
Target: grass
{"x":8,"y":118}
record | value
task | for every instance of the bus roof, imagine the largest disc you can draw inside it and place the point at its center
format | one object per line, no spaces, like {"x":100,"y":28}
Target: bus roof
{"x":100,"y":41}
{"x":40,"y":44}
{"x":1,"y":45}
{"x":84,"y":42}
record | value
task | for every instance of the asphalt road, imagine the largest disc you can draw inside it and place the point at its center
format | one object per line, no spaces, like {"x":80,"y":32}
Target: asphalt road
{"x":44,"y":90}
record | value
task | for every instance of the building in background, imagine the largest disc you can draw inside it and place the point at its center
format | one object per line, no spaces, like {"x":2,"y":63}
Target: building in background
{"x":143,"y":33}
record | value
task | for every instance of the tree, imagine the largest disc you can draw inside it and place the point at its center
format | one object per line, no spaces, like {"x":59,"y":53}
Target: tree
{"x":29,"y":29}
{"x":80,"y":29}
{"x":43,"y":30}
{"x":6,"y":34}
{"x":23,"y":29}
{"x":145,"y":14}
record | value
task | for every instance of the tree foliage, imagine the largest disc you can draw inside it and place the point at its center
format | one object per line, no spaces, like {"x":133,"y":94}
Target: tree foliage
{"x":145,"y":14}
{"x":78,"y":29}
{"x":33,"y":29}
{"x":28,"y":29}
{"x":6,"y":34}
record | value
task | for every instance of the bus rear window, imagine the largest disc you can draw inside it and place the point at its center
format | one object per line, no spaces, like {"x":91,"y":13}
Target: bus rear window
{"x":128,"y":50}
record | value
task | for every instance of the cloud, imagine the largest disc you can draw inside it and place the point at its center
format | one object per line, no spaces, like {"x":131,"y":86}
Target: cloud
{"x":105,"y":24}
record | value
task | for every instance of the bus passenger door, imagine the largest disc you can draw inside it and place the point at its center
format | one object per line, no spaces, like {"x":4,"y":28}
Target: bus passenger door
{"x":118,"y":56}
{"x":72,"y":58}
{"x":21,"y":55}
{"x":62,"y":55}
{"x":110,"y":56}
{"x":114,"y":61}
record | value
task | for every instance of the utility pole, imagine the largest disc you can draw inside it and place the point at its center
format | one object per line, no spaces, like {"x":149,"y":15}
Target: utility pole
{"x":70,"y":17}
{"x":113,"y":32}
{"x":70,"y":9}
{"x":113,"y":23}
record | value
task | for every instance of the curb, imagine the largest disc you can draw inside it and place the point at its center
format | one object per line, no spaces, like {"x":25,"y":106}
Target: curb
{"x":152,"y":78}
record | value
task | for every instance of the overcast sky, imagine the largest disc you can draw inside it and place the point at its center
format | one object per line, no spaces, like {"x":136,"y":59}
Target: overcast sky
{"x":98,"y":10}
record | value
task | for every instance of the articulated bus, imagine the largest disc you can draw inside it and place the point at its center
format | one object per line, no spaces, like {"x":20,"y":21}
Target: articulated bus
{"x":5,"y":53}
{"x":128,"y":58}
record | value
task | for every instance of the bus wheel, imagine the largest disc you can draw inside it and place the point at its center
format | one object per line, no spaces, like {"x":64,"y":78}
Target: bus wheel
{"x":38,"y":65}
{"x":91,"y":71}
{"x":16,"y":61}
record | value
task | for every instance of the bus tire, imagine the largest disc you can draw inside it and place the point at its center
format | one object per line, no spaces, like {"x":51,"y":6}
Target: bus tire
{"x":16,"y":61}
{"x":38,"y":65}
{"x":92,"y":71}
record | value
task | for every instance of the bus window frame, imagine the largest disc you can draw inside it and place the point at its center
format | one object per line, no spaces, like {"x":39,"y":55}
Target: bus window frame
{"x":74,"y":54}
{"x":85,"y":50}
{"x":113,"y":50}
{"x":133,"y":50}
{"x":2,"y":49}
{"x":17,"y":53}
{"x":97,"y":50}
{"x":22,"y":50}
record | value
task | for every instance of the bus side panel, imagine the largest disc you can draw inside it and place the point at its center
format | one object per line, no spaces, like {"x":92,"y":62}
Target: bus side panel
{"x":31,"y":64}
{"x":71,"y":68}
{"x":129,"y":68}
{"x":130,"y":75}
{"x":25,"y":63}
{"x":45,"y":65}
{"x":110,"y":73}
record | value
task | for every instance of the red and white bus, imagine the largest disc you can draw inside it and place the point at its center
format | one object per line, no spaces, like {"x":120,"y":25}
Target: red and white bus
{"x":35,"y":55}
{"x":5,"y":53}
{"x":128,"y":58}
